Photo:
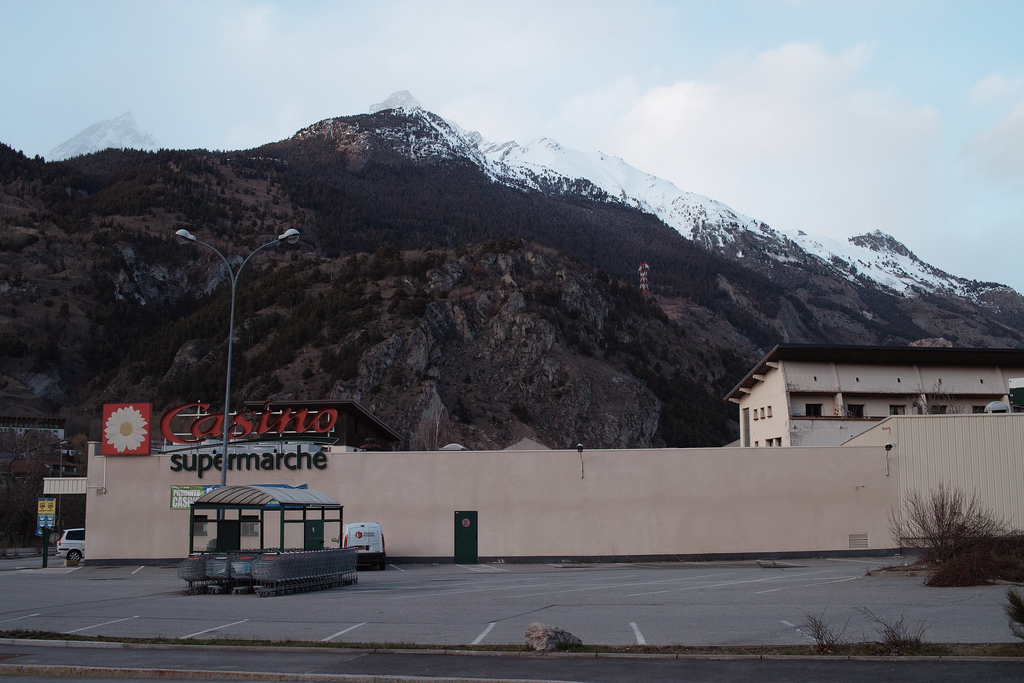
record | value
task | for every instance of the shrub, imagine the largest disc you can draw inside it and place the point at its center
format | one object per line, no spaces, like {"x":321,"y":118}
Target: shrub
{"x":1014,"y":608}
{"x":827,"y":638}
{"x":897,"y":636}
{"x":945,"y":525}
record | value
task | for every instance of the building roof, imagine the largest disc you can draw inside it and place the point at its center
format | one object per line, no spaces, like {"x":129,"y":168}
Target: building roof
{"x":879,"y":355}
{"x":262,"y":496}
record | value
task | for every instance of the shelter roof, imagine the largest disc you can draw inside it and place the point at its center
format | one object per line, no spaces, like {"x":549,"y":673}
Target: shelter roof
{"x":262,"y":496}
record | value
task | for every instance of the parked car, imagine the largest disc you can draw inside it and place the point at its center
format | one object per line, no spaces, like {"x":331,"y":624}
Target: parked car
{"x":71,"y":545}
{"x":368,"y":538}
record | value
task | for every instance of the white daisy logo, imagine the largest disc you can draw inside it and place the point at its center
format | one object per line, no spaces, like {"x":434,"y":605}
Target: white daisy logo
{"x":126,"y":429}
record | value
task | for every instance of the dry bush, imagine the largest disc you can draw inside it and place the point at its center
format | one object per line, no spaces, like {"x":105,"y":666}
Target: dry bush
{"x":1014,"y":608}
{"x":945,"y":524}
{"x":827,"y":638}
{"x":897,"y":636}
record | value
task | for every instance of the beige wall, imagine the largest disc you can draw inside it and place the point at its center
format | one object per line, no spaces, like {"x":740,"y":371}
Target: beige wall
{"x":534,"y":504}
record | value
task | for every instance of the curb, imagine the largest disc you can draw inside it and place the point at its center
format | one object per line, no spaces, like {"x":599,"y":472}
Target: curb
{"x":99,"y":645}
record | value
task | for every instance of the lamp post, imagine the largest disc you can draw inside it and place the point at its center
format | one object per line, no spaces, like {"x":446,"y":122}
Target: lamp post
{"x":291,"y":236}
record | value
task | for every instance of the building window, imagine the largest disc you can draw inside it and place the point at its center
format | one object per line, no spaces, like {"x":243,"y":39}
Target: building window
{"x":756,"y":444}
{"x":939,"y":410}
{"x":778,"y":442}
{"x":769,"y":411}
{"x":250,"y":526}
{"x":746,"y":427}
{"x":755,"y":413}
{"x":855,"y":410}
{"x":977,"y":409}
{"x":762,"y":413}
{"x":897,"y":410}
{"x":812,"y":409}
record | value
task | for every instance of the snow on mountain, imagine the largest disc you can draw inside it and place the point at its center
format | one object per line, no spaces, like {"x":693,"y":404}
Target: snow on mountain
{"x":119,"y":133}
{"x":402,"y":99}
{"x":544,"y":165}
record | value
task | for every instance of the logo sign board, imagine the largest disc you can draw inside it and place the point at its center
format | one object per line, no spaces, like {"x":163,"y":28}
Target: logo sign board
{"x":182,"y":497}
{"x":45,"y":514}
{"x":126,"y":429}
{"x":191,"y":424}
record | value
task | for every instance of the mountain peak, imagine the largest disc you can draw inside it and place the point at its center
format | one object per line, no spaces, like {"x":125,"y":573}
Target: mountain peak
{"x":120,"y":133}
{"x":401,"y":99}
{"x":880,"y":242}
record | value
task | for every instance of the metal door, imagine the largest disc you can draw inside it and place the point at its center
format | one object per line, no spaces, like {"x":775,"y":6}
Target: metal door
{"x":314,"y":537}
{"x":229,"y":535}
{"x":465,"y":538}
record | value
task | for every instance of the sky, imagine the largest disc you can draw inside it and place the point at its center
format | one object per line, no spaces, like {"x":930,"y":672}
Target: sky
{"x":834,"y":117}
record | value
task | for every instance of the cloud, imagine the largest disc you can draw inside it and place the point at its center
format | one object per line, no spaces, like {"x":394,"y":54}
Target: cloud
{"x":994,"y":87}
{"x":998,"y":151}
{"x":791,"y":137}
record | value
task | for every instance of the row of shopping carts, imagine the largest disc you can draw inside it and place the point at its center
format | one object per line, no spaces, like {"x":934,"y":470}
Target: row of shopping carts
{"x":268,"y":572}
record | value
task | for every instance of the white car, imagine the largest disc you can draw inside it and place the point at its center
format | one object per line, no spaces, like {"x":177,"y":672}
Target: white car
{"x":71,"y":545}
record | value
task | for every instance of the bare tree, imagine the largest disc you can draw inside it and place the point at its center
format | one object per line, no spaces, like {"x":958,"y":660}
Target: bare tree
{"x":944,"y":524}
{"x":24,"y":460}
{"x":434,"y":429}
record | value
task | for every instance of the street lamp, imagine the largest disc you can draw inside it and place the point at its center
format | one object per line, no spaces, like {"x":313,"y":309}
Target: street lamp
{"x":291,"y":236}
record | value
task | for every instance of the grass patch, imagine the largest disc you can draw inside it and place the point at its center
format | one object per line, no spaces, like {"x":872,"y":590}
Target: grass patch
{"x":841,"y":650}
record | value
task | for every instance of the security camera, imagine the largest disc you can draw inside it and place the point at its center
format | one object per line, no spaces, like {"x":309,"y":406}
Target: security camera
{"x":888,"y":447}
{"x":579,"y":447}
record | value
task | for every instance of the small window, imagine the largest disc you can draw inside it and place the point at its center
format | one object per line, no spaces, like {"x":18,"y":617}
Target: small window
{"x":756,"y":444}
{"x":769,"y":443}
{"x":755,"y":414}
{"x":898,"y":380}
{"x":762,"y":413}
{"x":855,"y":410}
{"x":977,"y":409}
{"x":897,"y":410}
{"x":250,"y":526}
{"x":778,"y":442}
{"x":812,"y":409}
{"x":769,"y":411}
{"x":939,"y":410}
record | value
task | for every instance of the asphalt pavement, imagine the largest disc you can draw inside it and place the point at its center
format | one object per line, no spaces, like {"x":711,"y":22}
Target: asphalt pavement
{"x":453,"y":606}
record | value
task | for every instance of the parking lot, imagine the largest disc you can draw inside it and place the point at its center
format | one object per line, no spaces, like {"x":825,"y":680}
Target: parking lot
{"x":606,"y":604}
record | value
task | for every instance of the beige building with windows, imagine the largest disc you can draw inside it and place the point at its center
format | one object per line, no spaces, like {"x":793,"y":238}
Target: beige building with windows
{"x":808,"y":395}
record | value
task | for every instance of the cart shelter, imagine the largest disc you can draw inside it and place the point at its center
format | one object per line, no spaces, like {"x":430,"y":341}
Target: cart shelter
{"x":233,"y":518}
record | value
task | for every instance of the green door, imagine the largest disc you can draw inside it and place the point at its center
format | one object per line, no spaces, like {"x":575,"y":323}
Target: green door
{"x":465,"y":538}
{"x":314,"y":537}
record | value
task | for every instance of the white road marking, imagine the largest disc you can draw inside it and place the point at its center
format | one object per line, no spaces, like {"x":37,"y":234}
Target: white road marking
{"x":807,"y":585}
{"x":86,"y":628}
{"x":215,"y":628}
{"x":398,"y":568}
{"x":73,"y":569}
{"x":482,"y":568}
{"x":143,"y":566}
{"x":787,"y":623}
{"x":483,"y":635}
{"x":27,"y":616}
{"x":640,"y":640}
{"x":343,"y":632}
{"x":730,"y":583}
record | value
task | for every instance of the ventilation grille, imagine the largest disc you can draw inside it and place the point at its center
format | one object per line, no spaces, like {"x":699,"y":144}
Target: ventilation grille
{"x":858,"y":541}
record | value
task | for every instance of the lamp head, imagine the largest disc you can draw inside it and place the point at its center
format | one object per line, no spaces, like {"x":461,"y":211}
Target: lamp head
{"x":291,"y":236}
{"x":183,"y":236}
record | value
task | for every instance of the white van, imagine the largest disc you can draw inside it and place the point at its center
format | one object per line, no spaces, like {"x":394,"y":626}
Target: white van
{"x":368,"y":538}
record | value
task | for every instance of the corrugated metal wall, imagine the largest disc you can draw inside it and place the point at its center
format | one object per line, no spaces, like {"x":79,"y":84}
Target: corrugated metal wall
{"x":981,"y":454}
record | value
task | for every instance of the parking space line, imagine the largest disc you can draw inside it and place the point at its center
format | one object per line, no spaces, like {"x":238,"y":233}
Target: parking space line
{"x":143,"y":566}
{"x":483,"y":635}
{"x":342,"y":632}
{"x":390,"y":565}
{"x":604,"y":586}
{"x":105,"y":623}
{"x":808,"y":585}
{"x":727,"y":583}
{"x":215,"y":628}
{"x":27,"y":616}
{"x":640,"y":640}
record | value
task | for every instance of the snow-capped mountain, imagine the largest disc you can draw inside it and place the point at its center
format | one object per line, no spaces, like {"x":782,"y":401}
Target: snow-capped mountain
{"x":544,"y":165}
{"x":119,"y":133}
